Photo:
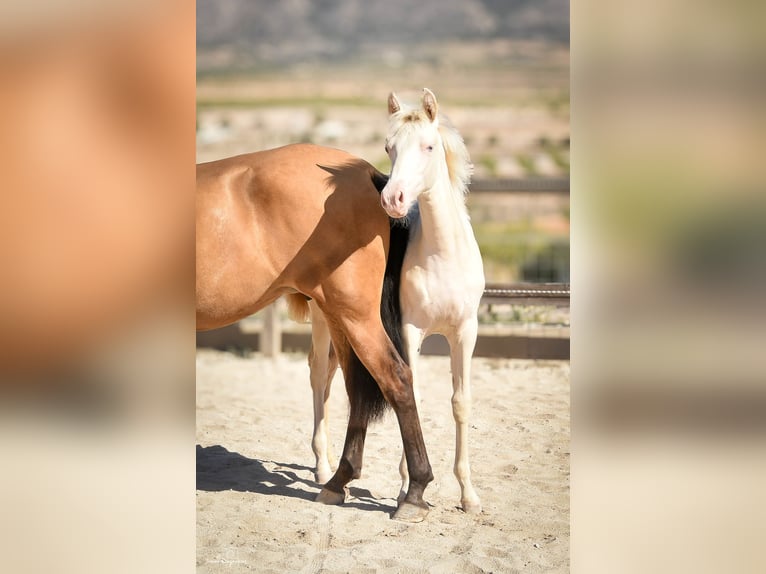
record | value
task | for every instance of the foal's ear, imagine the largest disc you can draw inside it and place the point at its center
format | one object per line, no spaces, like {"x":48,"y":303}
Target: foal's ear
{"x":429,"y":104}
{"x":393,"y":103}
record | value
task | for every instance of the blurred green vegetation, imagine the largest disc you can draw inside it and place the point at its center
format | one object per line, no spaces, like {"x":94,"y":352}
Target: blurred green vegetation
{"x":527,"y":164}
{"x":520,"y":251}
{"x":490,"y":163}
{"x":556,"y":152}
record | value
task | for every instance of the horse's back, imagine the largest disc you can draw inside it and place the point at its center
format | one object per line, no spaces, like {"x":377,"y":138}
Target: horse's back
{"x":303,"y":173}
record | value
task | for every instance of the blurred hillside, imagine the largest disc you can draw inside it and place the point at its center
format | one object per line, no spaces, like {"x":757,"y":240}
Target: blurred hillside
{"x":272,"y":73}
{"x":255,"y":34}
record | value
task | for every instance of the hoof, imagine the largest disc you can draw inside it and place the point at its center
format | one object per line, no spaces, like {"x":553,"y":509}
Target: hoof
{"x":323,"y":476}
{"x":471,"y":507}
{"x":408,"y":512}
{"x":331,"y":497}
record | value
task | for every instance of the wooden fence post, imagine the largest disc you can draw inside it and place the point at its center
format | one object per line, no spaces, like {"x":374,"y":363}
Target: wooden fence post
{"x":271,"y":334}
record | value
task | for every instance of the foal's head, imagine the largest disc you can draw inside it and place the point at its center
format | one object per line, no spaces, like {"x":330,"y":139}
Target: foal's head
{"x":417,"y":154}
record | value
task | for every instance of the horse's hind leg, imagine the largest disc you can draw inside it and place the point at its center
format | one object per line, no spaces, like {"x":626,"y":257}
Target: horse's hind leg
{"x":461,"y":351}
{"x":393,"y":376}
{"x":323,"y":363}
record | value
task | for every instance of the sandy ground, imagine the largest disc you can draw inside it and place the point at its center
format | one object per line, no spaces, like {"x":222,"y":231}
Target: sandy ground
{"x":255,"y":488}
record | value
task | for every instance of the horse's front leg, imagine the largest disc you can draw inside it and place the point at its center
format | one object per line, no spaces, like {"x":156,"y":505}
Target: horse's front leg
{"x":461,"y":350}
{"x":322,"y":366}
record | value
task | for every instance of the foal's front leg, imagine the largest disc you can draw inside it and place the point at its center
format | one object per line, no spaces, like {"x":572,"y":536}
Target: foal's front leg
{"x":461,"y":350}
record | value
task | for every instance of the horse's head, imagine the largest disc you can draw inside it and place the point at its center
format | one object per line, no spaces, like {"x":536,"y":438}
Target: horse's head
{"x":414,"y":145}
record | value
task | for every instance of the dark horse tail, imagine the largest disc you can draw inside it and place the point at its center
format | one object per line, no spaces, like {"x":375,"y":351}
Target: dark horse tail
{"x":364,"y":393}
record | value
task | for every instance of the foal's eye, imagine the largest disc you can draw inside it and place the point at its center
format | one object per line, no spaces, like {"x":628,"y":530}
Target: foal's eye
{"x":430,"y":148}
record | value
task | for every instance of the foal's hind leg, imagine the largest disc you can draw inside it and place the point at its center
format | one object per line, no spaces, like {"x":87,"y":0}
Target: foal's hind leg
{"x":461,"y":350}
{"x":323,"y":363}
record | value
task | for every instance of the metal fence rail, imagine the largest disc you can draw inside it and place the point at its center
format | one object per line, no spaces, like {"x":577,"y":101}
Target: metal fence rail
{"x":527,"y":294}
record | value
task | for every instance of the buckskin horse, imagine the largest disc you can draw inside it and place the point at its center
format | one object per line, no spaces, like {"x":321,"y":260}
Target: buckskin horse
{"x":306,"y":221}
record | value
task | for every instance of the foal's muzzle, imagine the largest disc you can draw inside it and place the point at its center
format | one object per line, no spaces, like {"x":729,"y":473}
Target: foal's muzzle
{"x":393,"y":204}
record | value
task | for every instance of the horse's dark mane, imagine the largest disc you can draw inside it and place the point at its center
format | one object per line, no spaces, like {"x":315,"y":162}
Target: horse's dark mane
{"x":379,"y":180}
{"x":363,"y":391}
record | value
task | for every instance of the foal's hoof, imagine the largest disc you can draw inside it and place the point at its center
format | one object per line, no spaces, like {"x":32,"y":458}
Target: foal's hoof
{"x":323,"y":476}
{"x":408,"y":512}
{"x":471,"y":507}
{"x":326,"y":496}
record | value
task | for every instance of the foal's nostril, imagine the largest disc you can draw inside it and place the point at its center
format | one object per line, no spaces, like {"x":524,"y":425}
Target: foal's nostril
{"x":400,"y":198}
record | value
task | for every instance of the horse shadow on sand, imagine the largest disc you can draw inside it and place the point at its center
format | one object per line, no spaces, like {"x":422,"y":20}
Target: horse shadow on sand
{"x":219,"y":469}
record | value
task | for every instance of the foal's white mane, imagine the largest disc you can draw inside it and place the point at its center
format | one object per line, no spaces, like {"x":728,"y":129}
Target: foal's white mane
{"x":459,"y":164}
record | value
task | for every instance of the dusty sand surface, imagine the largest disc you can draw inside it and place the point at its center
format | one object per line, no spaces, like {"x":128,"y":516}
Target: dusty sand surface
{"x":255,"y":487}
